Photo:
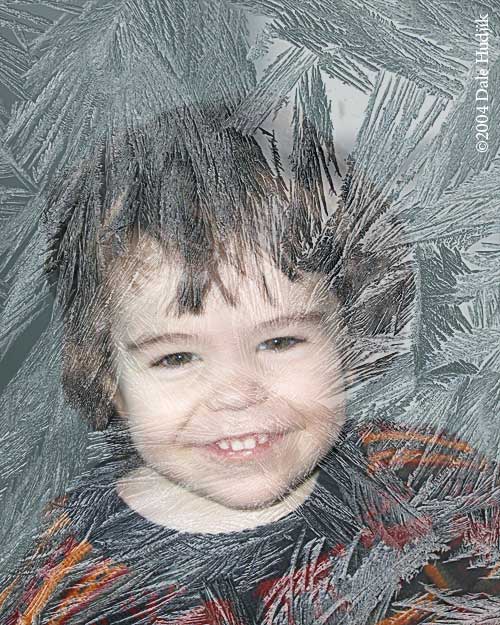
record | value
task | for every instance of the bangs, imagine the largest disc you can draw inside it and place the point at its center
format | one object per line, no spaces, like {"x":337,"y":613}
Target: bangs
{"x":196,"y":271}
{"x":196,"y":282}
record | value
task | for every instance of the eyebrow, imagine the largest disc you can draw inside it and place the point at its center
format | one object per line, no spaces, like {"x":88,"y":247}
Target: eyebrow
{"x":311,"y":317}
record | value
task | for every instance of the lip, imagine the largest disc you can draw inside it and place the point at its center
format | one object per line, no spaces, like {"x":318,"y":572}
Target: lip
{"x":240,"y":435}
{"x":245,"y":455}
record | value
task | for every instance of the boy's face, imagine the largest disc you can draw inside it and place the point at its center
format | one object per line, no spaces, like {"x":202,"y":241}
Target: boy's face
{"x":236,"y":404}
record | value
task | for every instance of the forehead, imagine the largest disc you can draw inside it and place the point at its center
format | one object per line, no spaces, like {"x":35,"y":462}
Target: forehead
{"x":147,"y":289}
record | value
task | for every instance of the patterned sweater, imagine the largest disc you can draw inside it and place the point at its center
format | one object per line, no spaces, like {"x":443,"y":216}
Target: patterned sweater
{"x":402,"y":528}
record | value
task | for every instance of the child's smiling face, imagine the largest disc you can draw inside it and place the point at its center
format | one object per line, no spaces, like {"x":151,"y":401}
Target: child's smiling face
{"x":238,"y":403}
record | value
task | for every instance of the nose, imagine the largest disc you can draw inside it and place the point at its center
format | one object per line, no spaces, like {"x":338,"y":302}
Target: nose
{"x":236,"y":389}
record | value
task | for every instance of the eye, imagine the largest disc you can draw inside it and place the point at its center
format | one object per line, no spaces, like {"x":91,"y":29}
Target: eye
{"x":175,"y":361}
{"x":280,"y":343}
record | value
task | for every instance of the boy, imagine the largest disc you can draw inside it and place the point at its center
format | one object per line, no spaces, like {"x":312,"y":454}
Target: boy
{"x":220,"y":361}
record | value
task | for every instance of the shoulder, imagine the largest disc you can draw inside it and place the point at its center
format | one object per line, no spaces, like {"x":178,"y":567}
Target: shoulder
{"x":60,"y":568}
{"x":416,"y":453}
{"x":455,"y":486}
{"x":442,"y":475}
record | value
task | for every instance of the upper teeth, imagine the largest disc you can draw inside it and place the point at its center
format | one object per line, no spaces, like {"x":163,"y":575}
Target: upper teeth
{"x":237,"y":444}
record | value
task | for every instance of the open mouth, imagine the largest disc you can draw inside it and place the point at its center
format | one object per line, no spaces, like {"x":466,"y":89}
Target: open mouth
{"x":248,"y":447}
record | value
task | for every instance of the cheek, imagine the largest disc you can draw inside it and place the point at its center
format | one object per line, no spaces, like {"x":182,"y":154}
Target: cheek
{"x":157,"y":407}
{"x":315,"y":391}
{"x":314,"y":378}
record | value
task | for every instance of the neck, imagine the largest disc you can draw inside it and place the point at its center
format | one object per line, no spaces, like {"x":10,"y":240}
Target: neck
{"x":171,"y":505}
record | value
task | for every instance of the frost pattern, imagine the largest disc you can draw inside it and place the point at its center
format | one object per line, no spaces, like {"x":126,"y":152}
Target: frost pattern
{"x":407,"y":227}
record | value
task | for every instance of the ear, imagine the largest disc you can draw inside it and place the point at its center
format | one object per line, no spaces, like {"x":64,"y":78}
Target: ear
{"x":115,"y":395}
{"x":109,"y":401}
{"x":118,"y":401}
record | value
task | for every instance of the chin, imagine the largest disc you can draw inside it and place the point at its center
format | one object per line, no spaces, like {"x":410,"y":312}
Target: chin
{"x":251,"y":496}
{"x":246,"y":503}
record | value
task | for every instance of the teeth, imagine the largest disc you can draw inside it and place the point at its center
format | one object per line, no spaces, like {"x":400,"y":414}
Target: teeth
{"x":249,"y":443}
{"x":237,"y":444}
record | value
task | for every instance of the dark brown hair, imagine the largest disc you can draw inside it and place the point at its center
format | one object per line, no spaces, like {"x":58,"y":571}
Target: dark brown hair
{"x":198,"y":199}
